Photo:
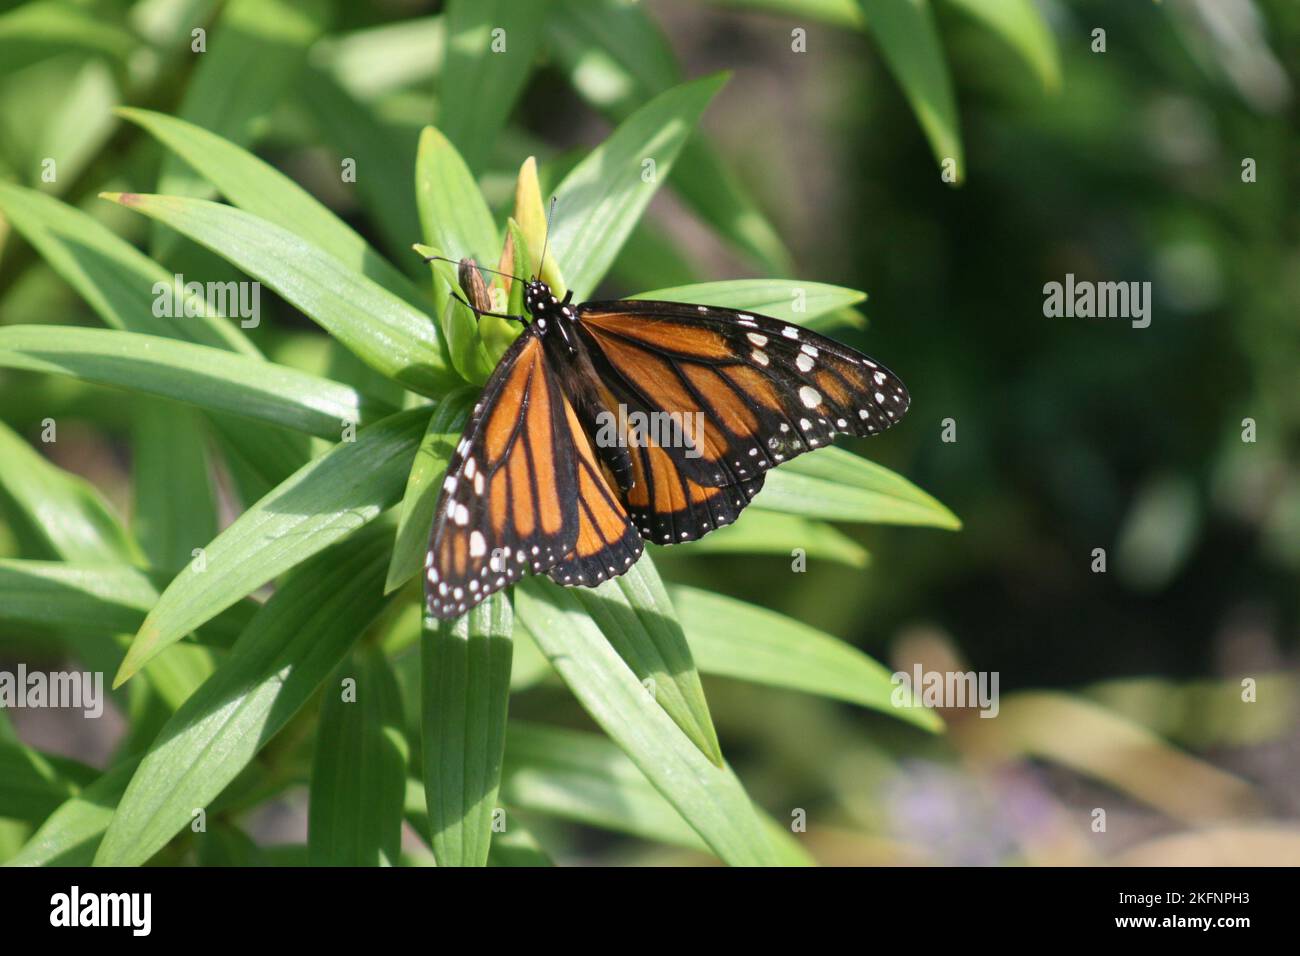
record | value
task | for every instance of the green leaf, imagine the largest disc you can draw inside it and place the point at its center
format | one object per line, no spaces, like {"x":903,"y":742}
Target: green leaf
{"x":909,"y":43}
{"x":423,"y":485}
{"x":635,"y":615}
{"x":740,"y":640}
{"x":788,"y":300}
{"x":174,"y":508}
{"x":71,"y":834}
{"x":299,"y":638}
{"x":617,"y":57}
{"x":327,"y":499}
{"x":39,"y":31}
{"x":484,"y":71}
{"x":34,"y":784}
{"x":105,"y":598}
{"x":118,"y":283}
{"x":837,"y":485}
{"x":515,"y":846}
{"x":261,"y":189}
{"x":383,"y":331}
{"x":210,"y":378}
{"x":358,"y":778}
{"x":454,"y":216}
{"x":466,"y":667}
{"x":840,"y":13}
{"x":603,"y":197}
{"x":224,"y":844}
{"x":115,"y":278}
{"x":1021,"y":24}
{"x":380,"y":148}
{"x":95,"y":599}
{"x":66,"y":513}
{"x":255,"y":53}
{"x":388,"y":57}
{"x":770,"y":532}
{"x":708,"y":797}
{"x":584,"y":778}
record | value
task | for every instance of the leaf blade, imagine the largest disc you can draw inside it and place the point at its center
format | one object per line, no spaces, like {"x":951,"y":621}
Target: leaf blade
{"x":465,"y":699}
{"x":603,"y":197}
{"x":327,"y":499}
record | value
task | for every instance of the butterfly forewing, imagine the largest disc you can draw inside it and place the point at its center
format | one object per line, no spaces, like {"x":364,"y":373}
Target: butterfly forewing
{"x":508,"y":503}
{"x":766,"y":391}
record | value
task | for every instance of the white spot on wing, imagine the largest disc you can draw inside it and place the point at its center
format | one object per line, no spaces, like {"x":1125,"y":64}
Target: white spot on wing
{"x":810,"y":397}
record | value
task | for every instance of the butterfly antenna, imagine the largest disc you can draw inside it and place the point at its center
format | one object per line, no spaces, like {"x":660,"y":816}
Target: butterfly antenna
{"x":476,"y":266}
{"x":547,"y":238}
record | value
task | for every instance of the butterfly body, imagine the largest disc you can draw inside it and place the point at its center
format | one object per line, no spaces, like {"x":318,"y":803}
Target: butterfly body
{"x":582,"y":446}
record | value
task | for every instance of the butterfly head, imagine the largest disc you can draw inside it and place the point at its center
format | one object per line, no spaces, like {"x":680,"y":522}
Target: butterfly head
{"x":547,"y":311}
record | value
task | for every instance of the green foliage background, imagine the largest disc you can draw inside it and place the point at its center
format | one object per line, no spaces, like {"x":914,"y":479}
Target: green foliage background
{"x":285,"y":665}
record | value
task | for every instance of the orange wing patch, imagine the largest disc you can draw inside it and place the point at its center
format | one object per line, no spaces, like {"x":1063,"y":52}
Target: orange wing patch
{"x":607,"y":543}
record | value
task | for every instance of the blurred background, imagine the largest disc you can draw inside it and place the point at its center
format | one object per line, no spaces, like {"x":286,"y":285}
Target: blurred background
{"x":1120,"y":691}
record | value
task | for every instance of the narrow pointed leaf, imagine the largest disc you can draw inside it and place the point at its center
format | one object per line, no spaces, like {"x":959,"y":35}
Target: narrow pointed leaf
{"x":298,"y":639}
{"x":384,"y":331}
{"x":255,"y":52}
{"x":174,"y":508}
{"x":34,"y":784}
{"x":751,"y":643}
{"x":466,"y":673}
{"x":71,"y":834}
{"x":617,"y":57}
{"x":424,"y":484}
{"x":491,"y":47}
{"x":454,"y":216}
{"x":327,"y":499}
{"x":259,"y":188}
{"x":117,"y":280}
{"x":95,"y":599}
{"x":1022,"y":25}
{"x":358,"y":778}
{"x":710,"y":798}
{"x":837,"y":485}
{"x":584,"y":778}
{"x":210,"y":378}
{"x":602,"y":198}
{"x":789,"y":300}
{"x":770,"y":532}
{"x":66,"y":512}
{"x":637,"y":618}
{"x":909,"y":42}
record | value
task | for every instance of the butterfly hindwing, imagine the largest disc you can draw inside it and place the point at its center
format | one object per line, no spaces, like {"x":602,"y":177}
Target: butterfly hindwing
{"x":508,"y":504}
{"x":607,"y":543}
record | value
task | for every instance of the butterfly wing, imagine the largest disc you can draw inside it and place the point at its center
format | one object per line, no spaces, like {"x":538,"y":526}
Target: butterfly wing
{"x":607,"y":543}
{"x":764,"y":390}
{"x":509,"y":502}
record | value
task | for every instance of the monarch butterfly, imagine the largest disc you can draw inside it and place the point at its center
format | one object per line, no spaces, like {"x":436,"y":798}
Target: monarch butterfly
{"x":556,"y":474}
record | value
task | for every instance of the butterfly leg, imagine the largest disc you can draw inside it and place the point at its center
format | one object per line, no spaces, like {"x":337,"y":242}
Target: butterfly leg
{"x":481,"y":312}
